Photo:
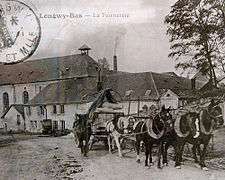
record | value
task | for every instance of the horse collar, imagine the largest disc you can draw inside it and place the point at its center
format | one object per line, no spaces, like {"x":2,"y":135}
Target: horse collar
{"x":213,"y":117}
{"x":160,"y":119}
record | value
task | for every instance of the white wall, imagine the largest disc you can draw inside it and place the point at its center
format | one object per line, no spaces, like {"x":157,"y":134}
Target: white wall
{"x":15,"y":92}
{"x":11,"y":120}
{"x":134,"y":106}
{"x":68,"y":116}
{"x":169,"y":99}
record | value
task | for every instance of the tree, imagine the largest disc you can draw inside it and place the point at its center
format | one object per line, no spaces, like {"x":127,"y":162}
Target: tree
{"x":196,"y":29}
{"x":104,"y":63}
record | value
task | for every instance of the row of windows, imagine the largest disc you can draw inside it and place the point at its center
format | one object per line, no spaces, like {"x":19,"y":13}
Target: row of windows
{"x":62,"y":110}
{"x":25,"y":99}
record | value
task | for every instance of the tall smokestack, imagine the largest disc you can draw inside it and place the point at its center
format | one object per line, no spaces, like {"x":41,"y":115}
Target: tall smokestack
{"x":115,"y":63}
{"x":99,"y":82}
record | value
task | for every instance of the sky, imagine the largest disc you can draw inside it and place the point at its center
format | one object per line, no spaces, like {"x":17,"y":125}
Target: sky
{"x":139,"y":40}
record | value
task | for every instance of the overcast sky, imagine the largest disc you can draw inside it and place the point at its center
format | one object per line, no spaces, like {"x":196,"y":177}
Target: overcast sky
{"x":142,"y":43}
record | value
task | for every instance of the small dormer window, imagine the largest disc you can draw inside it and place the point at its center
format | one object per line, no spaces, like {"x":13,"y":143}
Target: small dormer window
{"x":148,"y":92}
{"x":128,"y":93}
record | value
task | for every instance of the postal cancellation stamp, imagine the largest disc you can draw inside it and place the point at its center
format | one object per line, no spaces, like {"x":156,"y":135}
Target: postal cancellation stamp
{"x":20,"y":31}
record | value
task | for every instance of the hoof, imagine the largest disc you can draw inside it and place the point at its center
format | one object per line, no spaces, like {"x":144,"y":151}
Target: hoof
{"x":147,"y":167}
{"x":121,"y":155}
{"x":165,"y":164}
{"x":152,"y":164}
{"x":197,"y":166}
{"x":178,"y":167}
{"x":205,"y":169}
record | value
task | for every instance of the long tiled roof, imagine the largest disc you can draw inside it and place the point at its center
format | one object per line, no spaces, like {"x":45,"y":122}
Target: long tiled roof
{"x":67,"y":92}
{"x":48,"y":69}
{"x":138,"y":83}
{"x":147,"y":86}
{"x":169,"y":81}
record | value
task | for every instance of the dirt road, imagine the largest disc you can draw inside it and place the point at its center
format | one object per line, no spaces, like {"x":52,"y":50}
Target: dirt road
{"x":58,"y":158}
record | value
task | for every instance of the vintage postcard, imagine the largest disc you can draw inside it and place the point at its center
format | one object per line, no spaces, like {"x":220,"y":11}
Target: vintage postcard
{"x":112,"y":90}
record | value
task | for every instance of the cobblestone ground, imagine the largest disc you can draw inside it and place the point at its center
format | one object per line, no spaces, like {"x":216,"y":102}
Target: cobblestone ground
{"x":59,"y":158}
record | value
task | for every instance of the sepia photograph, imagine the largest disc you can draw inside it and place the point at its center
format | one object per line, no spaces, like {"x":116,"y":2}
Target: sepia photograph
{"x":112,"y":90}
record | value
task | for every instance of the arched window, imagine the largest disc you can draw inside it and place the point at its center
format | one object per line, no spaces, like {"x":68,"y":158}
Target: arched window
{"x":5,"y":101}
{"x":25,"y":97}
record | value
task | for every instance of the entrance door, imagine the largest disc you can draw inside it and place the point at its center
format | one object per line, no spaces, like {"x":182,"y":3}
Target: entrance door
{"x":63,"y":124}
{"x":55,"y":125}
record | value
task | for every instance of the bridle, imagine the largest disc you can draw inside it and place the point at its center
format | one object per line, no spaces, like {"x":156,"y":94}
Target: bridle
{"x":160,"y":120}
{"x":212,"y":116}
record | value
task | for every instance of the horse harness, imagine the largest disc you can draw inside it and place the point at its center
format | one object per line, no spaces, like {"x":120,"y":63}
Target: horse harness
{"x":213,"y":117}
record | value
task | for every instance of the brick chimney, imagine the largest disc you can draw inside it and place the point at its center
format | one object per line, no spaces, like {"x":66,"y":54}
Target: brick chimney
{"x":99,"y":82}
{"x":115,"y":63}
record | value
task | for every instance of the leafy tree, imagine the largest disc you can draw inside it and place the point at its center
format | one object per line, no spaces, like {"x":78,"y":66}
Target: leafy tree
{"x":196,"y":29}
{"x":104,"y":63}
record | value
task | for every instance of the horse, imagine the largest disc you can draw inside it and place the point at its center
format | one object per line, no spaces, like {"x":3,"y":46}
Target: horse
{"x":198,"y":131}
{"x":115,"y":129}
{"x":171,"y":137}
{"x":152,"y":132}
{"x":82,"y":131}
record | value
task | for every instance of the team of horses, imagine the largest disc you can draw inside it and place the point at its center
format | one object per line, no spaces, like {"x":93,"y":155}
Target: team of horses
{"x":163,"y":130}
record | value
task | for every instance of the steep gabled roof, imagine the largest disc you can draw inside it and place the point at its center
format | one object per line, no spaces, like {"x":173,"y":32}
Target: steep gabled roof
{"x":18,"y":107}
{"x":84,"y":47}
{"x":48,"y":69}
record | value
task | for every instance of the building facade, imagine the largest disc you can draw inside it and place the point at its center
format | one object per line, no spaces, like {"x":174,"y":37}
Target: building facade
{"x":57,"y":88}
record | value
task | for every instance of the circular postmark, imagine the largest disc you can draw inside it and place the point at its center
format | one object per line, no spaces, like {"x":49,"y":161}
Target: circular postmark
{"x":20,"y":31}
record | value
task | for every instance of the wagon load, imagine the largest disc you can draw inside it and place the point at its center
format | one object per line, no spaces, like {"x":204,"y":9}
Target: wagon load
{"x":103,"y":109}
{"x":107,"y":101}
{"x":110,"y":108}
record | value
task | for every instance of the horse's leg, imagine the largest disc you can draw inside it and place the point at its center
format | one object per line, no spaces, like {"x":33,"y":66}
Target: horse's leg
{"x":147,"y":150}
{"x":150,"y":154}
{"x":200,"y":153}
{"x":159,"y":154}
{"x":81,"y":146}
{"x":85,"y":146}
{"x":116,"y":137}
{"x":138,"y":148}
{"x":164,"y":150}
{"x":202,"y":157}
{"x":109,"y":143}
{"x":179,"y":152}
{"x":194,"y":154}
{"x":91,"y":142}
{"x":113,"y":142}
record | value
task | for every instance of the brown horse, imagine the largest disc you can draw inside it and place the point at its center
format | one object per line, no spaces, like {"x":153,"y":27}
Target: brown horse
{"x":196,"y":129}
{"x":82,"y":130}
{"x":152,"y":132}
